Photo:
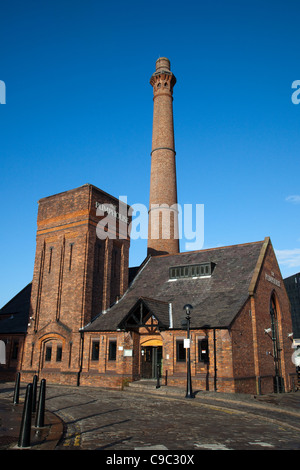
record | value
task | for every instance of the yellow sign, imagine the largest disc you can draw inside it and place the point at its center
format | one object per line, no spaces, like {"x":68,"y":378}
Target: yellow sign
{"x":152,"y":342}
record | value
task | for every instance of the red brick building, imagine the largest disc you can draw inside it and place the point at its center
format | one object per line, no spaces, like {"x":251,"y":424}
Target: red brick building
{"x":237,"y":294}
{"x":88,"y":319}
{"x":76,"y":275}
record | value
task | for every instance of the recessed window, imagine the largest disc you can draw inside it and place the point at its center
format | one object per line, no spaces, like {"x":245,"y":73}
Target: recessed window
{"x":15,"y":350}
{"x":194,"y":270}
{"x":112,"y":350}
{"x":180,"y":351}
{"x":203,"y":350}
{"x":48,"y":353}
{"x":58,"y":353}
{"x":70,"y":256}
{"x":95,"y":350}
{"x":50,"y":259}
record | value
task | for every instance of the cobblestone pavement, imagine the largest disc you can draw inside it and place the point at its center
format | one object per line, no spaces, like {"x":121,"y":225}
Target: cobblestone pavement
{"x":102,"y":419}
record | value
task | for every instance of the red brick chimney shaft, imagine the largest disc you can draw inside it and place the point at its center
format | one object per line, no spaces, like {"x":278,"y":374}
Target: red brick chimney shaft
{"x":163,"y":224}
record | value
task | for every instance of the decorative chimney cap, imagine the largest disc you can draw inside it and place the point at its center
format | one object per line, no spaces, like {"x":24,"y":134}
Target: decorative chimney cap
{"x":163,"y":64}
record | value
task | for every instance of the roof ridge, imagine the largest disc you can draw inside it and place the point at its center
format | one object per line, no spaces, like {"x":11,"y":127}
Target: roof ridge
{"x":155,"y":300}
{"x":210,"y":249}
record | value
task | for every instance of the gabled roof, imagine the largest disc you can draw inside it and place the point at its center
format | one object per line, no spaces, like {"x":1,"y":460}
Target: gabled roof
{"x":216,"y":299}
{"x":18,"y":310}
{"x":142,"y":310}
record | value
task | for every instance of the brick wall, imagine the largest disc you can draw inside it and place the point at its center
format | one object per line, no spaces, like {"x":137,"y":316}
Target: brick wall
{"x":253,"y":359}
{"x":270,"y":282}
{"x":72,"y":280}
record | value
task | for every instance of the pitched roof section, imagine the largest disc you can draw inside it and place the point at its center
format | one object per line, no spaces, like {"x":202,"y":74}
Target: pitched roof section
{"x":143,"y":309}
{"x":216,"y":299}
{"x":18,"y":310}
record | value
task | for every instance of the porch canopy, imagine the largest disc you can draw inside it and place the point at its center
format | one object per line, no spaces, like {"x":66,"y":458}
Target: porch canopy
{"x":144,"y":310}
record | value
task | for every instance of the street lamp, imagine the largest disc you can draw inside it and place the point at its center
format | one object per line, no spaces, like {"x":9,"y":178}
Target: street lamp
{"x":189,"y":391}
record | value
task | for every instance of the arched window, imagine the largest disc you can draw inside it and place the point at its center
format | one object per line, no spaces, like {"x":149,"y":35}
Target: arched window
{"x":274,"y":324}
{"x":53,"y":351}
{"x":278,"y":381}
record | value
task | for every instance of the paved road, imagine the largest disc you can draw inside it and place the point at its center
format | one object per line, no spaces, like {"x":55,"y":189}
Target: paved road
{"x":116,"y":420}
{"x":101,"y":419}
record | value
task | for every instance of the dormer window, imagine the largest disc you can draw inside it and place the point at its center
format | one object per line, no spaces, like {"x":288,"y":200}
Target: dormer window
{"x":191,"y":271}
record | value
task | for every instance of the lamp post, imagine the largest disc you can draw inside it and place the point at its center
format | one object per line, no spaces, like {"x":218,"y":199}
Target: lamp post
{"x":189,"y":390}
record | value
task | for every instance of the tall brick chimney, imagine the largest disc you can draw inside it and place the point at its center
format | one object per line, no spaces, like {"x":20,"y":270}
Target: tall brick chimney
{"x":163,"y":221}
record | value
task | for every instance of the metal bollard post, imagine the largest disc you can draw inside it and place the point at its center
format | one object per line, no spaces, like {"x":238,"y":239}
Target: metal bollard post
{"x":34,"y":390}
{"x":24,"y":436}
{"x":17,"y":389}
{"x":158,"y":374}
{"x":39,"y":421}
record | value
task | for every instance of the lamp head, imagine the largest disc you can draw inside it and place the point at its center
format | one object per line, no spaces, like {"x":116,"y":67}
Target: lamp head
{"x":188,"y":308}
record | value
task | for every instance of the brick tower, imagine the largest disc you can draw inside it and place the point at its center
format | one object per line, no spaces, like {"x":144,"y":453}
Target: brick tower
{"x":163,"y":213}
{"x":76,"y":276}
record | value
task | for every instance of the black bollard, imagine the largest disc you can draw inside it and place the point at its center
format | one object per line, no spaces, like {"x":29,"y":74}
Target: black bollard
{"x":39,"y":421}
{"x":24,"y":436}
{"x":34,"y":390}
{"x":17,"y":389}
{"x":158,"y":375}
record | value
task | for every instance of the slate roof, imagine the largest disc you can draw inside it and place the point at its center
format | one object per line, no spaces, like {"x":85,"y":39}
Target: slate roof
{"x":216,"y":300}
{"x":18,"y":310}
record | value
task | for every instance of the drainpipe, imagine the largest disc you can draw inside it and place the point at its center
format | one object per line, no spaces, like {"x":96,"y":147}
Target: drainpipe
{"x":81,"y":356}
{"x":170,"y":316}
{"x":215,"y":361}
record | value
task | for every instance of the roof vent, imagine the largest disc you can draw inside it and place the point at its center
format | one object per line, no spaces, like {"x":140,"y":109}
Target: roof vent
{"x":191,"y":271}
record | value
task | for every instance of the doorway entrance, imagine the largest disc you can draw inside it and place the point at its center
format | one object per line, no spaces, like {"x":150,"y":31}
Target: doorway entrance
{"x":151,"y":361}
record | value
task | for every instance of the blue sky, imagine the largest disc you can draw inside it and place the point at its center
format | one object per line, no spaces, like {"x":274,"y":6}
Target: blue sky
{"x":79,"y":110}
